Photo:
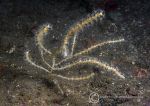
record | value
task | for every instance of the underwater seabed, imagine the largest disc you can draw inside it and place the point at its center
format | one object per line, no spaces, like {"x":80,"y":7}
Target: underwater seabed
{"x":75,"y":60}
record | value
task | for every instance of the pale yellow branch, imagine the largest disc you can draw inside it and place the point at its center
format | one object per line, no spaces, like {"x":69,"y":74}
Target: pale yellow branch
{"x":75,"y":78}
{"x":42,"y":32}
{"x":98,"y":45}
{"x":91,"y":61}
{"x":28,"y":59}
{"x":80,"y":26}
{"x":90,"y":49}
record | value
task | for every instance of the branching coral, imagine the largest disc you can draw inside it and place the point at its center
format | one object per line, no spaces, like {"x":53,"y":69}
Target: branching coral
{"x":68,"y":50}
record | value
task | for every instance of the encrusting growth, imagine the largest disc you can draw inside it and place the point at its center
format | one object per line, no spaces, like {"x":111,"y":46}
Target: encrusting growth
{"x":69,"y":53}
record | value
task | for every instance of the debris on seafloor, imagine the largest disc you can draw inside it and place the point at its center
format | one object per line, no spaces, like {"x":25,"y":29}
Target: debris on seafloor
{"x":12,"y":49}
{"x":3,"y":68}
{"x":140,"y":72}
